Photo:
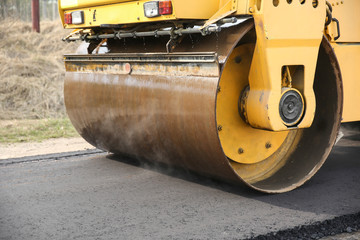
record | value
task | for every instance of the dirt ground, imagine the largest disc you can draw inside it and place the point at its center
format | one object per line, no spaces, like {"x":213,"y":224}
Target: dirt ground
{"x":16,"y":150}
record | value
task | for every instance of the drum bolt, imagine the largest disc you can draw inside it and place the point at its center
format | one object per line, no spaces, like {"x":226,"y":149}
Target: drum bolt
{"x":268,"y":145}
{"x":219,"y":89}
{"x":240,"y":151}
{"x":219,"y":128}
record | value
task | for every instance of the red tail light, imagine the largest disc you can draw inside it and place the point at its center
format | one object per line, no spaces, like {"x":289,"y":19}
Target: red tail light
{"x":68,"y":18}
{"x":165,"y":7}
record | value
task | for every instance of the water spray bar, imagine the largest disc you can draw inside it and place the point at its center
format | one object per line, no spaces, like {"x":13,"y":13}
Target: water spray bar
{"x":86,"y":36}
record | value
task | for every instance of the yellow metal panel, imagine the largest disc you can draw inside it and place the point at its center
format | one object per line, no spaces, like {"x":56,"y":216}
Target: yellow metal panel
{"x":242,"y":7}
{"x":70,"y":4}
{"x":287,"y":34}
{"x":121,"y":13}
{"x":347,"y":12}
{"x":195,"y":9}
{"x":230,"y":7}
{"x":349,"y":59}
{"x":66,"y":4}
{"x":133,"y":11}
{"x":225,"y":9}
{"x":185,"y":8}
{"x":258,"y":144}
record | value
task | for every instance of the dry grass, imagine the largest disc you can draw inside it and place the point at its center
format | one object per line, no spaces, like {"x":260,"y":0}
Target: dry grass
{"x":15,"y":131}
{"x":32,"y":70}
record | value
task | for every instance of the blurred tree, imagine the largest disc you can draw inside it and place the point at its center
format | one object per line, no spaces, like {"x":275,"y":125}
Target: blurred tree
{"x":3,"y":7}
{"x":21,"y":9}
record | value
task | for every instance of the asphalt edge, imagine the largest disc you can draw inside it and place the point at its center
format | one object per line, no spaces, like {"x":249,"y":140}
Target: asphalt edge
{"x":342,"y":224}
{"x":51,"y":156}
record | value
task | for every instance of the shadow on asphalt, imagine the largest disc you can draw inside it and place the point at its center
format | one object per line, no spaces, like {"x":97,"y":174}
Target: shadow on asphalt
{"x":334,"y":190}
{"x":187,"y":175}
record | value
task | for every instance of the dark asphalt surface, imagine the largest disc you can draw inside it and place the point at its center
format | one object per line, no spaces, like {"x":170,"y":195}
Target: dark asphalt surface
{"x":100,"y":196}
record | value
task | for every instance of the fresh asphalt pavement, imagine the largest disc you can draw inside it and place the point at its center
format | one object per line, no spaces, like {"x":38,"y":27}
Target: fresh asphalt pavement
{"x":102,"y":196}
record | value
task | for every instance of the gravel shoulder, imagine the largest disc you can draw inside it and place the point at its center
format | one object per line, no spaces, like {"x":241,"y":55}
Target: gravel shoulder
{"x":58,"y":145}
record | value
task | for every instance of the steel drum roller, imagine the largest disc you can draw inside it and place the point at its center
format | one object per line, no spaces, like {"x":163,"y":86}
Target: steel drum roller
{"x":182,"y":109}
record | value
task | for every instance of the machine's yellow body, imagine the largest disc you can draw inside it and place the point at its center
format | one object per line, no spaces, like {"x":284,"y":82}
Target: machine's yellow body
{"x":259,"y":81}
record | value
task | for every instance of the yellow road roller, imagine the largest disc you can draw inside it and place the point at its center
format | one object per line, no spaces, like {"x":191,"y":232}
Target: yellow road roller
{"x":249,"y":91}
